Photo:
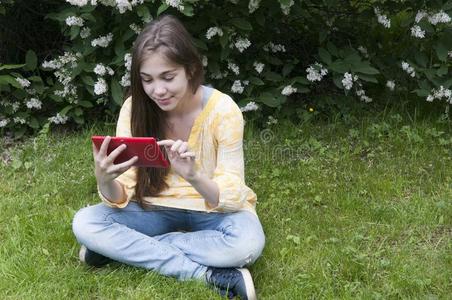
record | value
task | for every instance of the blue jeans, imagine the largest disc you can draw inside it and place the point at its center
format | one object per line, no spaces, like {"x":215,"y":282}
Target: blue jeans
{"x":173,"y":242}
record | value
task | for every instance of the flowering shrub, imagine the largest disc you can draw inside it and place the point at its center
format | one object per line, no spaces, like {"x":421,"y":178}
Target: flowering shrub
{"x":263,"y":52}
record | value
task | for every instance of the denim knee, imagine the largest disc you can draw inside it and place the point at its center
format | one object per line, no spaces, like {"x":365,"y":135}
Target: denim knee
{"x":85,"y":222}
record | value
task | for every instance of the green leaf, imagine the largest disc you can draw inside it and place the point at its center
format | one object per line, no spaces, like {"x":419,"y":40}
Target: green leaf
{"x":271,"y":100}
{"x":443,"y":70}
{"x":162,"y":8}
{"x":301,"y":79}
{"x":85,"y":104}
{"x":116,"y":92}
{"x":421,"y":92}
{"x":88,"y":80}
{"x":78,"y":111}
{"x":8,"y":79}
{"x":79,"y":120}
{"x":256,"y":81}
{"x":338,"y":81}
{"x":272,"y":76}
{"x":325,"y":56}
{"x":365,"y":68}
{"x":33,"y":123}
{"x":145,"y":14}
{"x":89,"y":17}
{"x":11,"y":67}
{"x":441,"y":51}
{"x":66,"y":109}
{"x":75,"y":30}
{"x":339,"y":66}
{"x":242,"y":24}
{"x":368,"y":78}
{"x":188,"y":10}
{"x":287,"y":69}
{"x":200,"y":44}
{"x":421,"y":59}
{"x":224,"y":40}
{"x":31,"y":60}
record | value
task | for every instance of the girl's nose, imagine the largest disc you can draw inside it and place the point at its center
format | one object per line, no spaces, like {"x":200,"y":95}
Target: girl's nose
{"x":160,"y":90}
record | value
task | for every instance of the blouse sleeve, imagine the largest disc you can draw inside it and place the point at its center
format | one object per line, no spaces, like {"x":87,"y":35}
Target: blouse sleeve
{"x":128,"y":178}
{"x":229,"y":171}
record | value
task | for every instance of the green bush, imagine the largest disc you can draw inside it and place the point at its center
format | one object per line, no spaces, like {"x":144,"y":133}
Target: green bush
{"x":270,"y":53}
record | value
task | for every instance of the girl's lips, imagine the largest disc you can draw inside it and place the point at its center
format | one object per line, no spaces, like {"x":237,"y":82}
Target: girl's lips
{"x":164,"y":101}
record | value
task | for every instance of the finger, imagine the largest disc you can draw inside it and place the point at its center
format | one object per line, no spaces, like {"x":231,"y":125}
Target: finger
{"x":167,"y":143}
{"x":176,"y":145}
{"x":104,"y":146}
{"x":188,"y":154}
{"x":124,"y":166}
{"x":115,"y":153}
{"x":183,"y":148}
{"x":95,"y":151}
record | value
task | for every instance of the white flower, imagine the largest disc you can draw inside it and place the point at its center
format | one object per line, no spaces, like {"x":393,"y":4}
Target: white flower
{"x":212,"y":31}
{"x":102,"y":41}
{"x":250,"y":106}
{"x":23,"y":82}
{"x":286,"y":7}
{"x":100,"y":87}
{"x":219,"y":75}
{"x":449,"y":54}
{"x":123,"y":6}
{"x":125,"y":80}
{"x":19,"y":120}
{"x":78,"y":2}
{"x":175,"y":3}
{"x":362,"y":94}
{"x":382,"y":19}
{"x":416,"y":31}
{"x":274,"y":47}
{"x":253,"y":5}
{"x":234,"y":68}
{"x":74,"y":21}
{"x":316,"y":72}
{"x":128,"y":61}
{"x":237,"y":87}
{"x":440,"y":17}
{"x":348,"y":80}
{"x":439,"y":94}
{"x":271,"y":121}
{"x":259,"y":67}
{"x":288,"y":90}
{"x":58,"y":119}
{"x":100,"y":69}
{"x":85,"y":32}
{"x":420,"y":15}
{"x":407,"y":68}
{"x":204,"y":61}
{"x":15,"y":106}
{"x":34,"y":103}
{"x":241,"y":44}
{"x":363,"y":51}
{"x":4,"y":122}
{"x":135,"y":28}
{"x":390,"y":84}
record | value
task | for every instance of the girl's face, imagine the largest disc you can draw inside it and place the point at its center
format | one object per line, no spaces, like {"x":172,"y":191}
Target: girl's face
{"x":164,"y":82}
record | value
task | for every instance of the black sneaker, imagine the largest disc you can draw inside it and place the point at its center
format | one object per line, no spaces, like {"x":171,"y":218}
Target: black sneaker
{"x":232,"y":282}
{"x":92,"y":258}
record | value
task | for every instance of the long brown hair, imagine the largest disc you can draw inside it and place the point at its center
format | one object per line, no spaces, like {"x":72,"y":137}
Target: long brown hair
{"x":168,"y":36}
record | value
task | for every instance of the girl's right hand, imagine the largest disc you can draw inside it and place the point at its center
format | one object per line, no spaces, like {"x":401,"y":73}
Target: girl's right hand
{"x":105,"y":170}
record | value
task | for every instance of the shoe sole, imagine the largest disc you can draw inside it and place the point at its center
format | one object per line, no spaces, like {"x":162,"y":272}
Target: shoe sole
{"x":250,"y":291}
{"x":82,"y":254}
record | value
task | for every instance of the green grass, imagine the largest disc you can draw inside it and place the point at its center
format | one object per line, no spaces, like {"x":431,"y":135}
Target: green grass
{"x":356,"y":209}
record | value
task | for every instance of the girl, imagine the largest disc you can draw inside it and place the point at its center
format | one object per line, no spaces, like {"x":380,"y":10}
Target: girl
{"x":197,"y":219}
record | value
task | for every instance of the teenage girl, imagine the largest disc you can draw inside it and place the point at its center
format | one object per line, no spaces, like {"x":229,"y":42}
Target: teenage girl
{"x":196,"y":219}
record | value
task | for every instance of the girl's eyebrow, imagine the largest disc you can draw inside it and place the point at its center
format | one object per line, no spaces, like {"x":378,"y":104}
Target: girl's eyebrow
{"x":163,"y":73}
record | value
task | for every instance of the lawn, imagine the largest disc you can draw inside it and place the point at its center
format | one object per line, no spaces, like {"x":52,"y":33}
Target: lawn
{"x":358,"y":208}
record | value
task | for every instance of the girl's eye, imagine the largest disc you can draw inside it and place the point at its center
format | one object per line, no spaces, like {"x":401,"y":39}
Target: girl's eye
{"x":146,"y":80}
{"x":168,"y":78}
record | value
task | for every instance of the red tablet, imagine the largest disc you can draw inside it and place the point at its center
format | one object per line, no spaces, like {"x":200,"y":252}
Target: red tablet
{"x":146,"y":148}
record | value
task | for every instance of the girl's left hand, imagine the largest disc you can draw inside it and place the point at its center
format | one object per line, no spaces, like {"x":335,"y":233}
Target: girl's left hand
{"x":181,"y":158}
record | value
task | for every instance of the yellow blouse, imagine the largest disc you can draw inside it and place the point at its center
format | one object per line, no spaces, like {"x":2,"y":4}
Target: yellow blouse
{"x":217,"y":140}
